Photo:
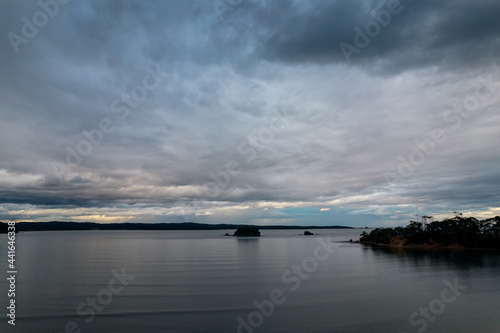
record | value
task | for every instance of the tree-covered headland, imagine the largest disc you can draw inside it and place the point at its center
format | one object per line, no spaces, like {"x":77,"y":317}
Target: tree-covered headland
{"x":458,"y":231}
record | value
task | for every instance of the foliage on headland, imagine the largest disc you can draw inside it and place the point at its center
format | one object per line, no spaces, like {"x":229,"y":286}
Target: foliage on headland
{"x":467,"y":232}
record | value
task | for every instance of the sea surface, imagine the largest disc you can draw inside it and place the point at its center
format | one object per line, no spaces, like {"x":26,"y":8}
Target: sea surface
{"x":202,"y":281}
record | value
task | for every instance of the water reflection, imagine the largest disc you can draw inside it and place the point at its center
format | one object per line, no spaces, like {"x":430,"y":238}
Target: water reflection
{"x":463,"y":259}
{"x":202,"y":281}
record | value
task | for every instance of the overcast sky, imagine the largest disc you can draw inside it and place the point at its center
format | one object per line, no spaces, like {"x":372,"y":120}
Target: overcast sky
{"x":362,"y":113}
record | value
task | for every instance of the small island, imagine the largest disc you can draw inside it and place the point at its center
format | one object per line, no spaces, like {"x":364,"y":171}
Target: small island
{"x":247,"y":231}
{"x":308,"y":233}
{"x":456,"y":232}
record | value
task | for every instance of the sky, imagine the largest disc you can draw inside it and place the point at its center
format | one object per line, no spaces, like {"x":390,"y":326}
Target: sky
{"x":358,"y":113}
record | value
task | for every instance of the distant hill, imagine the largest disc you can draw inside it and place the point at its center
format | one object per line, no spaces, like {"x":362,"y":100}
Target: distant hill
{"x":61,"y":225}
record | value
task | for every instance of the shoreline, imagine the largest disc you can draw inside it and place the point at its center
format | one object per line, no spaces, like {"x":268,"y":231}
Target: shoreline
{"x":188,"y":226}
{"x":427,"y":246}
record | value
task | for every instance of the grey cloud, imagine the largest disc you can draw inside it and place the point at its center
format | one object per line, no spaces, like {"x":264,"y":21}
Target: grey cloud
{"x":227,"y":80}
{"x":425,"y":33}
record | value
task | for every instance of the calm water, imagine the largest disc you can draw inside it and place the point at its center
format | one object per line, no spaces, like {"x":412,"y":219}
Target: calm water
{"x":185,"y":281}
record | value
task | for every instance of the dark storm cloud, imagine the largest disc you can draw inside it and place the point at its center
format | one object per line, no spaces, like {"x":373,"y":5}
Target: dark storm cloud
{"x":418,"y":34}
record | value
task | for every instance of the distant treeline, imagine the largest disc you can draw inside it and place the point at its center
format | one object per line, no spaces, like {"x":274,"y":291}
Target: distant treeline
{"x":60,"y":225}
{"x":458,"y":231}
